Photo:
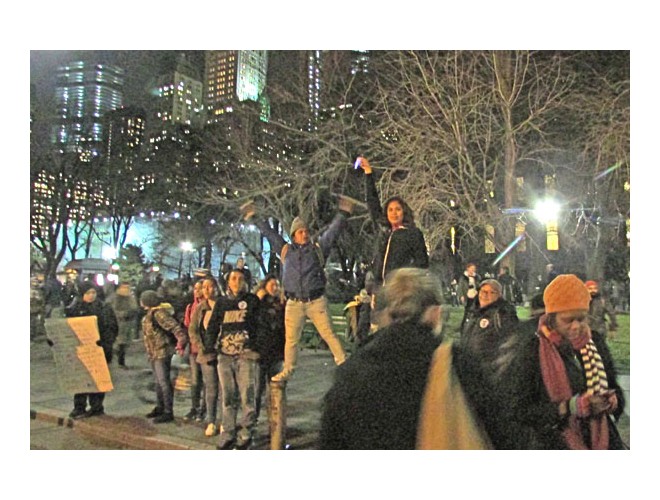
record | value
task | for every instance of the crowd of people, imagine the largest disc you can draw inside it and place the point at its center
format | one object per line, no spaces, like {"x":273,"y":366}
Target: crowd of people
{"x":546,"y":383}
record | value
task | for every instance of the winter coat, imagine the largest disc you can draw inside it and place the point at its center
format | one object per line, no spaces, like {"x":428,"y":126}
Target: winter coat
{"x":162,"y":333}
{"x":486,"y":329}
{"x":401,"y":247}
{"x":375,"y":400}
{"x":599,"y":308}
{"x":464,"y":285}
{"x":126,"y":311}
{"x":105,"y":318}
{"x":201,"y":342}
{"x":532,"y":414}
{"x":270,"y":339}
{"x":187,"y":318}
{"x":303,"y":273}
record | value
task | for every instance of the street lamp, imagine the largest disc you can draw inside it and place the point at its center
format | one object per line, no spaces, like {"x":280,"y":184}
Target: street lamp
{"x":187,"y":247}
{"x":547,"y":212}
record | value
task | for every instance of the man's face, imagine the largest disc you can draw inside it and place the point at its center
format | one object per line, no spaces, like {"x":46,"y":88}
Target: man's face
{"x":471,"y":270}
{"x":570,"y":324}
{"x":236,"y":281}
{"x":301,"y":236}
{"x":593,"y":289}
{"x":487,"y":295}
{"x":240,"y":263}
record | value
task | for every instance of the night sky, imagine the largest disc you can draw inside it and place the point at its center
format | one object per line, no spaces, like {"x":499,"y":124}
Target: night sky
{"x":141,"y":66}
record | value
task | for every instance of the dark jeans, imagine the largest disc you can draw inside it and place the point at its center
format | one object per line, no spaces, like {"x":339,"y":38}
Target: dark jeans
{"x":196,"y":385}
{"x":265,"y":370}
{"x":164,"y":387}
{"x":95,"y":401}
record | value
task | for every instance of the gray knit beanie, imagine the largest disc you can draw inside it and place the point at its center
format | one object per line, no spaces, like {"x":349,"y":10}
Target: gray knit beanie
{"x":298,"y":223}
{"x":496,"y":285}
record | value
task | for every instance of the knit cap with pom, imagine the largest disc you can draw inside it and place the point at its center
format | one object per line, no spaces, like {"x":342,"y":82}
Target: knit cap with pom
{"x":566,"y":293}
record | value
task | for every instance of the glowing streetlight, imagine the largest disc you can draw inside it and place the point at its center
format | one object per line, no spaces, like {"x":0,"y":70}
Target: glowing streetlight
{"x":547,"y":210}
{"x":186,"y":246}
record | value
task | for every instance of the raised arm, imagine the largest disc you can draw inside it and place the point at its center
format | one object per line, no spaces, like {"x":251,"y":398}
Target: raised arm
{"x":372,"y":198}
{"x":249,"y":213}
{"x":330,"y":235}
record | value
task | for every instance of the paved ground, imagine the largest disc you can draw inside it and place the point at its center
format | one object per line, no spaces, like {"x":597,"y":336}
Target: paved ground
{"x":131,"y":399}
{"x":125,"y":425}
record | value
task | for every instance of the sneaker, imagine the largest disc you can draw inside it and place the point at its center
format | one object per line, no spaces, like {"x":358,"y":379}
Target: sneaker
{"x":163,"y":418}
{"x":77,"y":413}
{"x":191,"y":415}
{"x":211,"y":430}
{"x":283,"y":376}
{"x":226,"y":442}
{"x":156,"y":412}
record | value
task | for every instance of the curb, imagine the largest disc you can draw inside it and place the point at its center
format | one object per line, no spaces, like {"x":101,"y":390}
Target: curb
{"x":109,"y":433}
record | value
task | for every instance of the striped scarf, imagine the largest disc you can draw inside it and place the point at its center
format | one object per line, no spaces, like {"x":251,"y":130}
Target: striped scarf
{"x":559,"y":389}
{"x":594,"y":370}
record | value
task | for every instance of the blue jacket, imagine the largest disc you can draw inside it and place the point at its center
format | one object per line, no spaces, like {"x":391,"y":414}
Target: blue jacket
{"x":302,"y":272}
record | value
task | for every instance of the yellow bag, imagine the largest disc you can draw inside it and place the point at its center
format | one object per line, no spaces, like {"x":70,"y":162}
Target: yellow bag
{"x":446,"y":420}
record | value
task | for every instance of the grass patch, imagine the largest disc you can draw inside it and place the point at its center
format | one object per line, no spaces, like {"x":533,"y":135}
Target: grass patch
{"x":619,"y":345}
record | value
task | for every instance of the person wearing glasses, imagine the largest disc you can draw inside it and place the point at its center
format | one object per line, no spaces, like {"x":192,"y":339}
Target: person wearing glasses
{"x":488,"y":324}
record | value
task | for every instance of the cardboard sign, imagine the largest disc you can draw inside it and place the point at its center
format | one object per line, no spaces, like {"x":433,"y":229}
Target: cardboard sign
{"x":81,"y":365}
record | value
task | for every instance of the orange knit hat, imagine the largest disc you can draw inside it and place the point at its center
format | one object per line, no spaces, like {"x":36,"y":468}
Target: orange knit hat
{"x":566,"y":293}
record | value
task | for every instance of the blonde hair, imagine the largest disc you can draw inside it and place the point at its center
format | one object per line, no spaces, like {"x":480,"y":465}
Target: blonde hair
{"x":408,"y":292}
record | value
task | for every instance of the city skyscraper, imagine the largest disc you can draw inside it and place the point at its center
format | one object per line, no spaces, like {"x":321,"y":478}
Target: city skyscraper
{"x":85,"y":92}
{"x":123,"y":132}
{"x":180,"y":96}
{"x":233,"y":76}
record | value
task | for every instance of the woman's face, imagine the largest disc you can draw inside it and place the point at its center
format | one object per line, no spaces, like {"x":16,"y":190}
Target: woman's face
{"x":395,"y":213}
{"x":198,"y":290}
{"x":209,"y":290}
{"x":487,"y":295}
{"x":272,"y":287}
{"x":571,"y":324}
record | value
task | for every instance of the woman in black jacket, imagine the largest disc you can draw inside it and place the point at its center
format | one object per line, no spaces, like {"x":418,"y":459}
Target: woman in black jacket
{"x":401,"y":243}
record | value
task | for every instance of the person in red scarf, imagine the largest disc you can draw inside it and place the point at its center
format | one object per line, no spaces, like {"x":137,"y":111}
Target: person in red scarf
{"x":562,"y":382}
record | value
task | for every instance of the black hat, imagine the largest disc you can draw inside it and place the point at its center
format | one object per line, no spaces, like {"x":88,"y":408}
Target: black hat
{"x":85,"y":287}
{"x":149,"y":298}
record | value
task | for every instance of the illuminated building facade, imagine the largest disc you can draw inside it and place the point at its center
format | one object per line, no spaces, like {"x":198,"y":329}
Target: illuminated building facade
{"x":180,"y":96}
{"x":123,"y":136}
{"x":231,"y":76}
{"x":84,"y":93}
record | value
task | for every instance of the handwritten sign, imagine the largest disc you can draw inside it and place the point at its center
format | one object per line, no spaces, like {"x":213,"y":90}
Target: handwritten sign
{"x":81,"y":365}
